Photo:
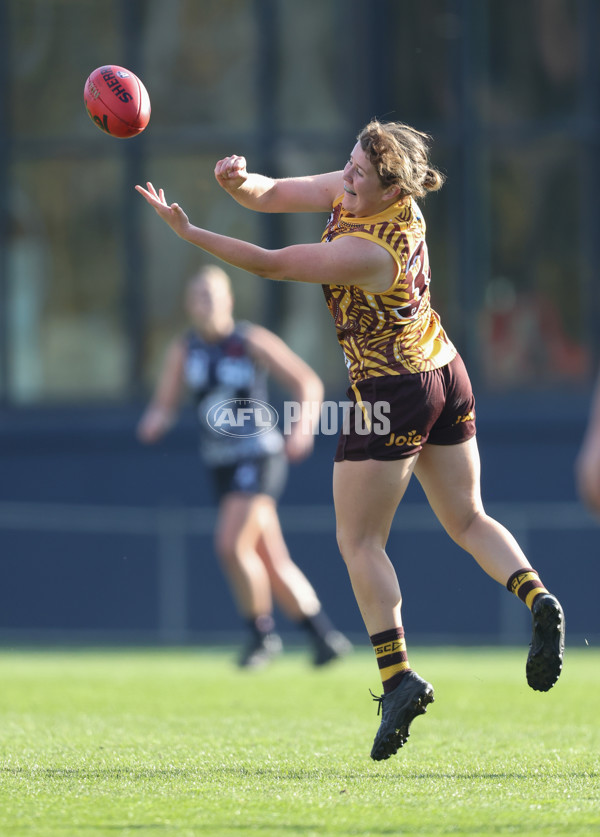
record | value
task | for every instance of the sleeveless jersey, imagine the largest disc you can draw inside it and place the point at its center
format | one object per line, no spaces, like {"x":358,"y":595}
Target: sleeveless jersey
{"x":395,"y":332}
{"x":223,"y":372}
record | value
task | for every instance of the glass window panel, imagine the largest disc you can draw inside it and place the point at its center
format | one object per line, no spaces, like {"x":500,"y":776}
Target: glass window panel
{"x":65,"y":282}
{"x":52,"y":54}
{"x":420,"y":39}
{"x":75,"y":315}
{"x":170,"y":262}
{"x":532,"y":316}
{"x":534,"y":59}
{"x":199,"y":61}
{"x":310,"y":80}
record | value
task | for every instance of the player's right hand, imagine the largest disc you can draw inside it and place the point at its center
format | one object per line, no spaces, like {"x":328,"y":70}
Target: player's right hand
{"x":172,"y":214}
{"x":231,"y":173}
{"x":154,"y":424}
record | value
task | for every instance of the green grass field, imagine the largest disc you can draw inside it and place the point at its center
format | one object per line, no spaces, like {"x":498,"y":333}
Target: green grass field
{"x":178,"y":742}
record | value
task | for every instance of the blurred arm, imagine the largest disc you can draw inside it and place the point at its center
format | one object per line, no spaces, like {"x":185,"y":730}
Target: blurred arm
{"x":587,"y":465}
{"x":298,"y":378}
{"x":162,"y":411}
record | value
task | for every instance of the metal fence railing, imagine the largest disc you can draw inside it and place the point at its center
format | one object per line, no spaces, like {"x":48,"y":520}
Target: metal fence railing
{"x":171,"y":529}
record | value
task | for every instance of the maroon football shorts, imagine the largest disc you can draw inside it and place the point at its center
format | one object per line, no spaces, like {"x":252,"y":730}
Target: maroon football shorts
{"x":436,"y":407}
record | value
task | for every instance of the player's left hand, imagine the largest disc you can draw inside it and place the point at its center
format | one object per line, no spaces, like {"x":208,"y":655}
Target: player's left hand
{"x":172,"y":214}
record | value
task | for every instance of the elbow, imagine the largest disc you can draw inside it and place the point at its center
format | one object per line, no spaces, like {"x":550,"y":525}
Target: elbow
{"x":268,"y":274}
{"x":273,"y":275}
{"x":272,"y":266}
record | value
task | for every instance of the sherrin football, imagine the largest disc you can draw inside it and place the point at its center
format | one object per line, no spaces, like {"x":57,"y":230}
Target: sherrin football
{"x":117,"y":101}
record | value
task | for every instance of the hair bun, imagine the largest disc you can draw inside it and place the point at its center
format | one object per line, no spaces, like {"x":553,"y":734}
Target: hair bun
{"x":433,"y":180}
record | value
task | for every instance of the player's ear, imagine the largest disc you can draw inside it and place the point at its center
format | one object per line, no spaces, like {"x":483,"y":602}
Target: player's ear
{"x":392,"y":193}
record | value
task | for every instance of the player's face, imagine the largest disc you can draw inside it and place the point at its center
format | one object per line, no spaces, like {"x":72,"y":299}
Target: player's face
{"x":363,"y":193}
{"x":209,"y":304}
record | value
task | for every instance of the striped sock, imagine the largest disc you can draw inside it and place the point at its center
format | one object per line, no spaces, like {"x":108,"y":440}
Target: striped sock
{"x":526,"y":585}
{"x":392,"y":659}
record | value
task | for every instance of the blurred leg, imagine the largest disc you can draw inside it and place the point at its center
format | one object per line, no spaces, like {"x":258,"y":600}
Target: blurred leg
{"x":237,"y":533}
{"x":291,"y":589}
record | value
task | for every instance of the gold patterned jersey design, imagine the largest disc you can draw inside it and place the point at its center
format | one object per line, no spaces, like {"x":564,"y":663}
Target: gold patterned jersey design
{"x":395,"y":332}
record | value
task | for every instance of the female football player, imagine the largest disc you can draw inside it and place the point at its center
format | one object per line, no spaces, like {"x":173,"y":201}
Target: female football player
{"x":220,"y":361}
{"x":373,"y":265}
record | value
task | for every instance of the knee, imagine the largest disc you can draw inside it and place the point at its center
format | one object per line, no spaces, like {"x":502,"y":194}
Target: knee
{"x":356,"y":548}
{"x":460,"y":528}
{"x":345,"y":543}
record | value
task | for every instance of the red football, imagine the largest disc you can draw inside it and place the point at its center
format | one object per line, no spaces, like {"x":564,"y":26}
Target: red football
{"x":117,"y":101}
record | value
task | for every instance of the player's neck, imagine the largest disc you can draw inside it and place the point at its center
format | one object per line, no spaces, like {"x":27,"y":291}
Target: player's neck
{"x":215,"y":332}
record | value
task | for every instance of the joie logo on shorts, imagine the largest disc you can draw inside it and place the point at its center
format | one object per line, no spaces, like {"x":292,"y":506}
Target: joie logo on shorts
{"x":242,"y":417}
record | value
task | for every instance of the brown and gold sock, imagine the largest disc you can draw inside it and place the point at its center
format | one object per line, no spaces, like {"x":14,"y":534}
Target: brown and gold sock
{"x":526,"y":585}
{"x":390,"y":651}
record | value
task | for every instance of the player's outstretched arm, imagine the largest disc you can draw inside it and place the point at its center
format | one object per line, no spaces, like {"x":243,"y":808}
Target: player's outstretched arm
{"x":347,"y":260}
{"x":234,"y":251}
{"x":315,"y":193}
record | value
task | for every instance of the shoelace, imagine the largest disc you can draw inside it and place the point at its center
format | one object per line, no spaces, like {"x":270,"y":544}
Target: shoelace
{"x":379,"y":699}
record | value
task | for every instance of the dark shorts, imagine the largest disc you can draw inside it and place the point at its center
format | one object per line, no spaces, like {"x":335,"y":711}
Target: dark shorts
{"x":263,"y":475}
{"x":436,"y":407}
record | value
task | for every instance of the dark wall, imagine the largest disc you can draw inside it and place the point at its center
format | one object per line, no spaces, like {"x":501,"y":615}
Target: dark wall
{"x":103,"y":538}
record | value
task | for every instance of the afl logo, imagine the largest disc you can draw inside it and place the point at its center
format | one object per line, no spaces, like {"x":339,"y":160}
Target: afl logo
{"x":242,"y":417}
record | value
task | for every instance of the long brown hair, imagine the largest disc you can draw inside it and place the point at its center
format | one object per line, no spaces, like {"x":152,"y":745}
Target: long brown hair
{"x":400,"y":156}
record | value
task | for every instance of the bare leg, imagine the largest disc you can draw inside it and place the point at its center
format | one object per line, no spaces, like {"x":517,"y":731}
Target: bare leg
{"x":450,"y":476}
{"x":237,"y":533}
{"x":366,"y":496}
{"x":291,"y":589}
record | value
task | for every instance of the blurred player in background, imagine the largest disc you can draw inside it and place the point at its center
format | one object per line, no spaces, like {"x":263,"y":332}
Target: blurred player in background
{"x":373,"y":265}
{"x":220,"y":360}
{"x":587,"y":465}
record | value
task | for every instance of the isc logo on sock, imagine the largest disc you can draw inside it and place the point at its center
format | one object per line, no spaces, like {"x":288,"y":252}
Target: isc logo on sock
{"x":389,"y":648}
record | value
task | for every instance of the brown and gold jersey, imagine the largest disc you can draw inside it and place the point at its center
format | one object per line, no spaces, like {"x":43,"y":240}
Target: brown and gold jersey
{"x":395,"y":332}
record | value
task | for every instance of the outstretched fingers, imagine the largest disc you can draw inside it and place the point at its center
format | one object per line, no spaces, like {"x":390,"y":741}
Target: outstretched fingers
{"x":151,"y":194}
{"x":172,"y":214}
{"x":158,"y":199}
